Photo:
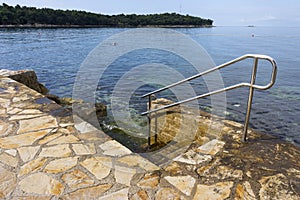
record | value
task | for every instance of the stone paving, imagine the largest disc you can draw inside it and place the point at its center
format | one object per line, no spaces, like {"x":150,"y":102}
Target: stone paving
{"x":44,"y":155}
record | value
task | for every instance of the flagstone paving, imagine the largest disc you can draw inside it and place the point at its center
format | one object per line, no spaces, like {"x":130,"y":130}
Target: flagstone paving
{"x":44,"y":155}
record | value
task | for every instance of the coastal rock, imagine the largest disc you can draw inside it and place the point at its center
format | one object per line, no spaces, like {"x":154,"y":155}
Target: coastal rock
{"x":220,"y":172}
{"x":218,"y":191}
{"x":87,"y":111}
{"x":54,"y":98}
{"x":244,"y":192}
{"x":191,"y":157}
{"x":211,"y":148}
{"x":26,"y":77}
{"x":277,"y":187}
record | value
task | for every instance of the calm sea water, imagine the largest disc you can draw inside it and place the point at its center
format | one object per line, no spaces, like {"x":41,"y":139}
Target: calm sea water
{"x":56,"y":55}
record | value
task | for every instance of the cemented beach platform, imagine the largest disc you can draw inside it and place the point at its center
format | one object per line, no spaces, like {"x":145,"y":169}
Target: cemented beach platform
{"x":44,"y":155}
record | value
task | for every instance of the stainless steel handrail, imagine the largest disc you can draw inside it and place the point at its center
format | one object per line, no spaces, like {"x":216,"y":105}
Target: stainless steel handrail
{"x":251,"y":85}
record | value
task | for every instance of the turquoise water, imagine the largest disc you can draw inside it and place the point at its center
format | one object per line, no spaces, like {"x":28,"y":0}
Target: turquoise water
{"x":56,"y":55}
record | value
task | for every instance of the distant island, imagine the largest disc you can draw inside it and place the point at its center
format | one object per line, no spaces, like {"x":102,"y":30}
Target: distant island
{"x":45,"y":17}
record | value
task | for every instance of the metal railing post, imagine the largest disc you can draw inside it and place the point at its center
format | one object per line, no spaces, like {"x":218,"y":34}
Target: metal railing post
{"x":250,"y":98}
{"x":149,"y":121}
{"x":251,"y":86}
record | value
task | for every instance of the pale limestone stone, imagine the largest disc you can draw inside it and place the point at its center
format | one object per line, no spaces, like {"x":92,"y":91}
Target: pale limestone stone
{"x":42,"y":184}
{"x":8,"y":182}
{"x":57,"y":151}
{"x":2,"y":112}
{"x":9,"y":160}
{"x":12,"y":142}
{"x":84,"y":127}
{"x":249,"y":174}
{"x":224,"y":172}
{"x":30,"y":112}
{"x":173,"y":168}
{"x":244,"y":192}
{"x":32,"y":166}
{"x":11,"y":152}
{"x":99,"y":166}
{"x":134,"y":160}
{"x":88,"y":193}
{"x":64,"y":125}
{"x":10,"y":130}
{"x":3,"y":128}
{"x":276,"y":187}
{"x":21,"y":98}
{"x":44,"y":122}
{"x":191,"y":157}
{"x":14,"y":111}
{"x":49,"y":138}
{"x":28,"y":153}
{"x":149,"y":181}
{"x":114,"y":148}
{"x":124,"y":175}
{"x":32,"y":198}
{"x":22,"y":117}
{"x":95,"y":136}
{"x":24,"y":105}
{"x":65,"y":139}
{"x":119,"y":195}
{"x":218,"y":191}
{"x":183,"y":183}
{"x":211,"y":148}
{"x":84,"y":149}
{"x":294,"y":172}
{"x":232,"y":123}
{"x":140,"y":195}
{"x":77,"y":179}
{"x":61,"y":165}
{"x":167,"y":194}
{"x":5,"y":102}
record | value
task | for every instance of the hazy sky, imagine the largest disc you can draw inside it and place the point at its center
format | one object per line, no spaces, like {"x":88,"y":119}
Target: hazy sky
{"x":223,"y":12}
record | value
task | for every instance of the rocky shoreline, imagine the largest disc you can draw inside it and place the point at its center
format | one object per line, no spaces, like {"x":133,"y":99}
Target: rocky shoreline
{"x":46,"y":154}
{"x":29,"y":78}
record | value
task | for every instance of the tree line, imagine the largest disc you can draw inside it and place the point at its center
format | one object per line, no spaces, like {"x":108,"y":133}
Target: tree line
{"x":18,"y":15}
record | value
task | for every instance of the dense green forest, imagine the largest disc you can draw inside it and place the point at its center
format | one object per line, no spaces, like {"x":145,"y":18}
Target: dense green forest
{"x":18,"y":15}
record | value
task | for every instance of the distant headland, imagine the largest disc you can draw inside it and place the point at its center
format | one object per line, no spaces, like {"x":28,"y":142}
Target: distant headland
{"x":18,"y":16}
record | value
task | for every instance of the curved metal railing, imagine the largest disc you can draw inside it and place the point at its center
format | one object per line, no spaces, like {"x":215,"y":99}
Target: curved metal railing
{"x":251,"y":85}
